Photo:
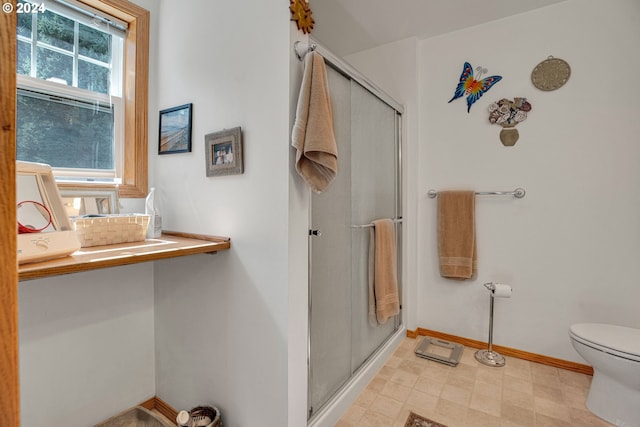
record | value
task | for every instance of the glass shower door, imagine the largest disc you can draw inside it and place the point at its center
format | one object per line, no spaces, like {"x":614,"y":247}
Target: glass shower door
{"x":330,"y":264}
{"x":366,"y":188}
{"x":374,"y":187}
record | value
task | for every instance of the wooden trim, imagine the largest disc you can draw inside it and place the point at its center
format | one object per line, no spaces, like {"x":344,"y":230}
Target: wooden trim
{"x":161,"y":406}
{"x":96,"y":257}
{"x":136,"y":93}
{"x":165,"y":409}
{"x":149,"y":403}
{"x":505,"y":351}
{"x":196,"y":236}
{"x":9,"y":391}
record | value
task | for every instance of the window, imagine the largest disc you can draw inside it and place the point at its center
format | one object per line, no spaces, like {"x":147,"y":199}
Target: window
{"x":76,"y":109}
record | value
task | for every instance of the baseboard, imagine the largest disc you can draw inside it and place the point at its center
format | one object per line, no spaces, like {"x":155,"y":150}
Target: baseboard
{"x":506,"y":351}
{"x":161,"y":406}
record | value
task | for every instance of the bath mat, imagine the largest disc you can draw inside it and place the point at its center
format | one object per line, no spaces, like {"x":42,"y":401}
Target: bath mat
{"x":415,"y":420}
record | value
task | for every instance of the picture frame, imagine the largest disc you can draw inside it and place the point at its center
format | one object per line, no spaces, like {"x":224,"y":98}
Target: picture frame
{"x":175,"y":130}
{"x":79,"y":201}
{"x":224,"y":154}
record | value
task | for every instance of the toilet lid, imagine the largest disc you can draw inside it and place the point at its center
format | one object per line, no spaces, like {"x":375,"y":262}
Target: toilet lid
{"x":617,"y":338}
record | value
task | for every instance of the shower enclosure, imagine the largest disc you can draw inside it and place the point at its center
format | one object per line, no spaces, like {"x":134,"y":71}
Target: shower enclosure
{"x":367,"y":187}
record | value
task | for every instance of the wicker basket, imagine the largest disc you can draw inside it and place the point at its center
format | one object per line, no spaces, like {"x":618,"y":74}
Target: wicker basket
{"x":110,"y":229}
{"x":201,"y":416}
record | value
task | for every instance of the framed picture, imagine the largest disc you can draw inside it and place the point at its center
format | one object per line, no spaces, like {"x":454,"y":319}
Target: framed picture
{"x":81,"y":201}
{"x":175,"y":130}
{"x":224,"y":152}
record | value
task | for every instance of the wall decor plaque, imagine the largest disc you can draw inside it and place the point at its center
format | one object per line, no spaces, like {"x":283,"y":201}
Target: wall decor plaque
{"x":508,"y":114}
{"x":550,"y":74}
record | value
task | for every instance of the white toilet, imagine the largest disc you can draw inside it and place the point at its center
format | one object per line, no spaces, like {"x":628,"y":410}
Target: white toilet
{"x":614,"y":353}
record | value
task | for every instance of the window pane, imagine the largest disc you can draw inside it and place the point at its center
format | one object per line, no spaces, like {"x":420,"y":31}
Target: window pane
{"x":25,"y":22}
{"x":94,"y":44}
{"x":64,"y":133}
{"x":55,"y":30}
{"x":54,"y":64}
{"x":93,"y":77}
{"x":24,"y":58}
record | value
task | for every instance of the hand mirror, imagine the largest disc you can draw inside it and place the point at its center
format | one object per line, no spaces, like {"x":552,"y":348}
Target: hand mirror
{"x":44,"y":230}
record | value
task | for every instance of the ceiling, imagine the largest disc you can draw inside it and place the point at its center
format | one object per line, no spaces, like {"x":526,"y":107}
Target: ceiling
{"x":349,"y":26}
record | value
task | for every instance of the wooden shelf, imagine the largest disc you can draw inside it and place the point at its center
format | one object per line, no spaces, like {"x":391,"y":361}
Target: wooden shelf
{"x":170,"y":245}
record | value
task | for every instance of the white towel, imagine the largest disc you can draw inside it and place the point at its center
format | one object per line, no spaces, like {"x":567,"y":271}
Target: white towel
{"x":312,"y":134}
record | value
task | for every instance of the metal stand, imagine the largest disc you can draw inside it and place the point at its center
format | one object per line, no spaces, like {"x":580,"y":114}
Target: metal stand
{"x":489,"y":357}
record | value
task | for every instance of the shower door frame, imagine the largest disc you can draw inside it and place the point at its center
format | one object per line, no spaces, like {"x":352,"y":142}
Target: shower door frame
{"x":350,"y":73}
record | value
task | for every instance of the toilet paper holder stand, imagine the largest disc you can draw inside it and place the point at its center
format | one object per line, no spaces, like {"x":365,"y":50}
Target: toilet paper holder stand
{"x":489,"y":357}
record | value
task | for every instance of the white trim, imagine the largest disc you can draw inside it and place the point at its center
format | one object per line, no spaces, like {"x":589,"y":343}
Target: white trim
{"x":87,"y":15}
{"x":117,"y":64}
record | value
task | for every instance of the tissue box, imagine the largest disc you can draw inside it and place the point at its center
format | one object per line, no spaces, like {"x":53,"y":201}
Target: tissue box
{"x":110,"y":229}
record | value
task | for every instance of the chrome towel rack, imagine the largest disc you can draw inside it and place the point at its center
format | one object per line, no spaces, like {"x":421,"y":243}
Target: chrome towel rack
{"x":395,"y":221}
{"x":518,"y":193}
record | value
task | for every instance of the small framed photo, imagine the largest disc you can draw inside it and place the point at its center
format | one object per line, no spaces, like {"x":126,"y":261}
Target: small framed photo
{"x":224,"y":152}
{"x":84,"y":201}
{"x":175,"y":130}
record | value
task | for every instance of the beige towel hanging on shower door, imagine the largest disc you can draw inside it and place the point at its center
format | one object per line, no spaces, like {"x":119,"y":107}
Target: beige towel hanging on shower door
{"x":312,"y":134}
{"x":384,"y":300}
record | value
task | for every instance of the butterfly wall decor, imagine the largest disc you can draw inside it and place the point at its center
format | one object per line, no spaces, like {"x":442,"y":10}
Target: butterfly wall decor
{"x":471,"y":87}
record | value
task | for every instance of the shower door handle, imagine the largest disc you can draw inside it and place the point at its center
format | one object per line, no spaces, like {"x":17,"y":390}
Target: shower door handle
{"x":315,"y":232}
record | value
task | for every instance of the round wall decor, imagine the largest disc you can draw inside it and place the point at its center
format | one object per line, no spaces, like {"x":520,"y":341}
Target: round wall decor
{"x":550,"y":74}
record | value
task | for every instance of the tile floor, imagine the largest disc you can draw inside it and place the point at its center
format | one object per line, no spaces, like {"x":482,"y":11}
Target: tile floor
{"x":520,"y":394}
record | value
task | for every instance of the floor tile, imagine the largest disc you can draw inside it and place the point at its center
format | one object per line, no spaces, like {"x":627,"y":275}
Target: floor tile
{"x":520,"y":394}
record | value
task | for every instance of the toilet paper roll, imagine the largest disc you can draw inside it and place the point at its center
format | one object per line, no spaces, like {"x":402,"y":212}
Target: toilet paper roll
{"x":501,"y":291}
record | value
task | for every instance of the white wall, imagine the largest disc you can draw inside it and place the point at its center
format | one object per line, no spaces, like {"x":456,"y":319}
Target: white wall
{"x":86,"y":345}
{"x":223,"y":321}
{"x":569,"y":248}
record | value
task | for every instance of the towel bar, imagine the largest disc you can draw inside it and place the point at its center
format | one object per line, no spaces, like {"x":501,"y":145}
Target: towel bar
{"x":518,"y":193}
{"x":396,"y":221}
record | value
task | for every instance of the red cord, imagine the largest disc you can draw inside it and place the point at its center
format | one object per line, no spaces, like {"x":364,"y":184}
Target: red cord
{"x":22,"y":229}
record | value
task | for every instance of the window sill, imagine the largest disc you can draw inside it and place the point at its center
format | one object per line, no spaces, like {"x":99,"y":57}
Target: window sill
{"x":169,"y":245}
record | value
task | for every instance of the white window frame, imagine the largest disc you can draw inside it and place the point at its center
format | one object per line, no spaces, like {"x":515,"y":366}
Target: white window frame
{"x":76,"y":175}
{"x":136,"y":89}
{"x":79,"y":174}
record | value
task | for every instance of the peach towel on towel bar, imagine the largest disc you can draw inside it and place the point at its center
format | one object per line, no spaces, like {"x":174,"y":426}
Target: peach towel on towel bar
{"x":457,"y":234}
{"x":312,"y":134}
{"x":384,"y":301}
